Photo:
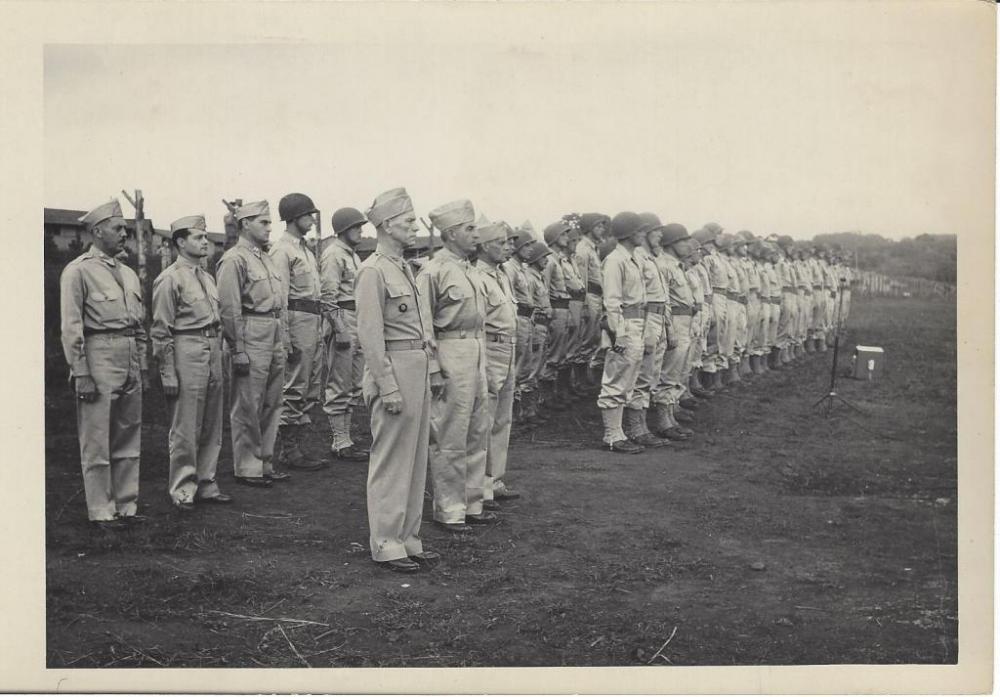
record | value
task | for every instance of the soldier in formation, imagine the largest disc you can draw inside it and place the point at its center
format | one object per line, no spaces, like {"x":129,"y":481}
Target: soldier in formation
{"x":500,"y":326}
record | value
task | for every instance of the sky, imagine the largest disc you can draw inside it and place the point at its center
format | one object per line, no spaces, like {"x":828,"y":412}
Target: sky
{"x":788,"y":119}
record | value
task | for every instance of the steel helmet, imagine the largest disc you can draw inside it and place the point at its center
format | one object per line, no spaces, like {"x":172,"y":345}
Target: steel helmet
{"x":294,"y":206}
{"x":554,"y":231}
{"x":650,"y":222}
{"x":624,"y":225}
{"x":346,"y":218}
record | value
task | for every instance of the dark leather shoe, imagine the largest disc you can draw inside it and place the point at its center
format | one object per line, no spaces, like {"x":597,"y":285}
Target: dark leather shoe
{"x":426,"y":558}
{"x":277,"y":476}
{"x":484,"y":518}
{"x":218,"y":498}
{"x":253,"y":481}
{"x":134,"y":519}
{"x":701,"y":394}
{"x":624,"y":446}
{"x":403,"y":566}
{"x":184,"y":506}
{"x":506,"y":495}
{"x":352,"y":454}
{"x":689,"y":403}
{"x":453,"y":527}
{"x":491,"y":505}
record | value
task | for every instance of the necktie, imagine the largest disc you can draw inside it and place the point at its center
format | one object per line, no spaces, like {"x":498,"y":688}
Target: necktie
{"x":199,"y":273}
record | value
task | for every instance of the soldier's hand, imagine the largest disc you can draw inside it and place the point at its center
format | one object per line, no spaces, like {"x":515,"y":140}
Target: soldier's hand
{"x":294,"y":355}
{"x":438,"y":386}
{"x":393,"y":403}
{"x":86,"y":388}
{"x":169,"y":387}
{"x":241,"y":364}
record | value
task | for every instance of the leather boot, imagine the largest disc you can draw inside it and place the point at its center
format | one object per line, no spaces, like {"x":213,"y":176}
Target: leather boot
{"x":717,"y":383}
{"x":541,"y":400}
{"x":733,"y":375}
{"x":634,"y":421}
{"x":745,"y":370}
{"x":290,"y":455}
{"x":809,"y":346}
{"x":675,"y":411}
{"x":612,"y":419}
{"x":665,"y":426}
{"x":705,"y":380}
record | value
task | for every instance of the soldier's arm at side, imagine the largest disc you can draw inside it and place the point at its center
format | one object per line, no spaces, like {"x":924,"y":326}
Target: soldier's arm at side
{"x":229,"y":280}
{"x":283,"y":263}
{"x":427,"y":301}
{"x":71,"y":296}
{"x":612,"y":280}
{"x":330,"y":281}
{"x":369,"y":295}
{"x":161,"y":329}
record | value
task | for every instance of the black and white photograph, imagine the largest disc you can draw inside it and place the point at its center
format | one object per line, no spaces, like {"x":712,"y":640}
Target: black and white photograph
{"x":514,"y":335}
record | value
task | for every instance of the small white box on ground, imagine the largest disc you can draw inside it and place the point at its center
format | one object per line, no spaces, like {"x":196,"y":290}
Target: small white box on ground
{"x":867,"y":362}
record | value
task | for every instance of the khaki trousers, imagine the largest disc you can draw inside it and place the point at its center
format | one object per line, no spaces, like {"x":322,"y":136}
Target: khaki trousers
{"x":109,"y":428}
{"x":397,"y":467}
{"x":500,"y":365}
{"x":735,"y":321}
{"x":787,"y":319}
{"x":718,"y":359}
{"x":539,"y":342}
{"x":304,"y":330}
{"x":255,"y":399}
{"x":621,"y":370}
{"x":317,"y":381}
{"x":590,"y":330}
{"x":196,"y":418}
{"x":672,"y":379}
{"x":460,"y":432}
{"x":654,"y":344}
{"x":756,"y":322}
{"x":345,"y":369}
{"x":558,"y":341}
{"x":523,"y":356}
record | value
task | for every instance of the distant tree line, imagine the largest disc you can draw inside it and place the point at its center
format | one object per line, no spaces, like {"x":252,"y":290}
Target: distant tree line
{"x":932,"y":257}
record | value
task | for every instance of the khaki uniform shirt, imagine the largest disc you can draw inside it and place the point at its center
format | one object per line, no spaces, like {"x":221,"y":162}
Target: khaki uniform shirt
{"x":695,"y":283}
{"x":555,"y":281}
{"x":652,"y":279}
{"x":718,"y":273}
{"x":184,"y":297}
{"x":248,"y":280}
{"x":518,"y":275}
{"x":588,"y":263}
{"x":539,"y":291}
{"x":452,"y":292}
{"x":679,"y":289}
{"x":501,"y":308}
{"x":389,"y":310}
{"x":339,"y":264}
{"x":623,"y":284}
{"x":92,"y":298}
{"x":296,"y":265}
{"x":575,"y":287}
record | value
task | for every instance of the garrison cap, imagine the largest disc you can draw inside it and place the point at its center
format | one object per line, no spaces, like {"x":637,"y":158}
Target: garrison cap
{"x":673,"y":233}
{"x":554,"y":231}
{"x":190,"y":222}
{"x":453,"y":214}
{"x":111,"y":209}
{"x":625,"y":224}
{"x":388,"y":205}
{"x":490,"y":231}
{"x":252,"y":210}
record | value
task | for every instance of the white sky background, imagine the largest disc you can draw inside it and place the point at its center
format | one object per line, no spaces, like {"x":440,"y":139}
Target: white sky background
{"x":784,"y":118}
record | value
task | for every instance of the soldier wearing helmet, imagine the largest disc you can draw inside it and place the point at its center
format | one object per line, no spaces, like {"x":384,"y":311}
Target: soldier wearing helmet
{"x":593,"y":227}
{"x":538,"y":258}
{"x":716,"y":359}
{"x":624,"y":301}
{"x":516,"y":268}
{"x":344,"y":359}
{"x":300,"y":286}
{"x":701,"y":318}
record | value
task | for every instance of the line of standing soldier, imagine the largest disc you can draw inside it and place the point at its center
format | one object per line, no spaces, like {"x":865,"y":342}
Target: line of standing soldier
{"x":499,"y":317}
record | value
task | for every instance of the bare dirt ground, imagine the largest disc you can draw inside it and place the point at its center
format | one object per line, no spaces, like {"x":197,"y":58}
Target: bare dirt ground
{"x":776,"y":536}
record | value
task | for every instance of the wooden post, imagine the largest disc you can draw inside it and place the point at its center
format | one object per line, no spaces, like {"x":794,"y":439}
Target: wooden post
{"x":140,"y":244}
{"x":232,"y":229}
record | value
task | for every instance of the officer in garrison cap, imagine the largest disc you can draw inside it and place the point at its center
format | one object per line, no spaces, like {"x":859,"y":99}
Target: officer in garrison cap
{"x":624,"y":301}
{"x":300,"y":286}
{"x":501,"y":339}
{"x":187,"y":343}
{"x":104,"y":342}
{"x":401,"y":374}
{"x":251,"y":306}
{"x":345,"y":362}
{"x":593,"y":227}
{"x":453,"y":294}
{"x":516,"y":268}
